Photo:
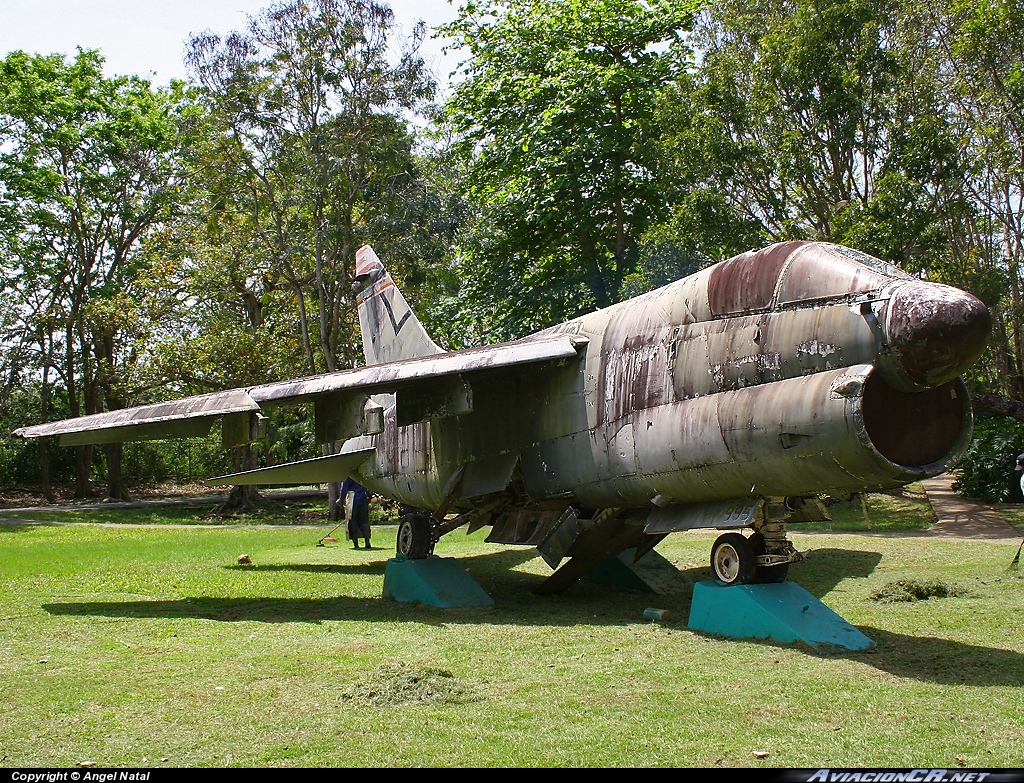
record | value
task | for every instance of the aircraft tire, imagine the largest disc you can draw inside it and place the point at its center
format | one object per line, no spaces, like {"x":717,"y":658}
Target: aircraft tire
{"x":766,"y":575}
{"x":414,"y":536}
{"x":732,"y":559}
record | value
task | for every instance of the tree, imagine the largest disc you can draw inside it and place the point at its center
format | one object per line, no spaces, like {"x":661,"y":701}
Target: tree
{"x":556,"y":117}
{"x":805,"y":120}
{"x":88,"y":167}
{"x":978,"y":64}
{"x":315,"y":150}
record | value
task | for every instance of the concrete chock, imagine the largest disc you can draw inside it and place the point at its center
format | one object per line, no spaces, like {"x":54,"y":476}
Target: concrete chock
{"x":783,"y":613}
{"x":435,"y":581}
{"x":652,"y":573}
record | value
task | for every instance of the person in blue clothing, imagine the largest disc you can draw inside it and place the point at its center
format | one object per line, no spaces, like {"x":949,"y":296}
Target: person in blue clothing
{"x":359,"y":517}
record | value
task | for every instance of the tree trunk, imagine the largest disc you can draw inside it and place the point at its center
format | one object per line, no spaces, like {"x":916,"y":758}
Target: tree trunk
{"x":996,"y":403}
{"x":83,"y":472}
{"x":44,"y":460}
{"x":334,"y":510}
{"x":243,"y":499}
{"x":44,"y":472}
{"x":115,"y":480}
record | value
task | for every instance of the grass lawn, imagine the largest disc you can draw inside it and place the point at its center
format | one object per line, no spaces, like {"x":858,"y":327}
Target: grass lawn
{"x":152,"y":646}
{"x":1012,"y":513}
{"x":906,"y":508}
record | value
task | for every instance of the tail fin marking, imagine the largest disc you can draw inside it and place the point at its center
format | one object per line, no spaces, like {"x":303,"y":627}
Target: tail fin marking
{"x":391,"y":331}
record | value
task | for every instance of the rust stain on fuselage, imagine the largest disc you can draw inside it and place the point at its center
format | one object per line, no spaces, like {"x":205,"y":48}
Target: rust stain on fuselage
{"x":696,"y":390}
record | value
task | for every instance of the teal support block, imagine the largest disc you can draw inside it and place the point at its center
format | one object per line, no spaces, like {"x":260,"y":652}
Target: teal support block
{"x":652,"y":573}
{"x":781,"y":612}
{"x":435,"y":581}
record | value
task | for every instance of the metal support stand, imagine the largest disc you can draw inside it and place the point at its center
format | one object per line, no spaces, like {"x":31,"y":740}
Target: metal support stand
{"x":783,"y":613}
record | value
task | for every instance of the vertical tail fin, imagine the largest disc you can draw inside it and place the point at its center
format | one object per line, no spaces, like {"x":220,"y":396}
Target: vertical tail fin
{"x":390,"y":329}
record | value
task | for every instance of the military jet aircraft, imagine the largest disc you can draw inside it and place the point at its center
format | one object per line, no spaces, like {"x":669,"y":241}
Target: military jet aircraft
{"x":729,"y":399}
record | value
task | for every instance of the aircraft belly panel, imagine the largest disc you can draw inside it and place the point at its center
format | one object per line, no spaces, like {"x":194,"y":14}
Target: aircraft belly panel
{"x":403,"y":466}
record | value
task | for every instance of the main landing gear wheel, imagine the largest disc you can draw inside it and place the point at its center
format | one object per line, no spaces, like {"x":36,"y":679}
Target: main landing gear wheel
{"x":732,"y":559}
{"x":766,"y":575}
{"x":414,"y":536}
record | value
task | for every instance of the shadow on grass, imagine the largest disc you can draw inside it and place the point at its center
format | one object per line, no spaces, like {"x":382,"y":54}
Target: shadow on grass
{"x":375,"y":567}
{"x":923,"y":658}
{"x":824,"y":569}
{"x":820,"y":573}
{"x":927,"y":659}
{"x":492,"y":563}
{"x":495,"y":571}
{"x":940,"y":660}
{"x":20,"y":525}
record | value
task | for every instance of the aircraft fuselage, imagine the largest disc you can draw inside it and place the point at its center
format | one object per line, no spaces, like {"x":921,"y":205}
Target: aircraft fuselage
{"x":789,"y":371}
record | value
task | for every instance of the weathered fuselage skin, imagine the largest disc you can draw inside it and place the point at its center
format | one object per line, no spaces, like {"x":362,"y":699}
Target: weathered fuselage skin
{"x":795,"y":370}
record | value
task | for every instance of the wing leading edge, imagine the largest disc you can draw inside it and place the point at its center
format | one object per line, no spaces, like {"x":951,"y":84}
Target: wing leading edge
{"x":343,"y":408}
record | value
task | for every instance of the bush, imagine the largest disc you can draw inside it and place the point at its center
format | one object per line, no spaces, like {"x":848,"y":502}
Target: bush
{"x":987,"y":470}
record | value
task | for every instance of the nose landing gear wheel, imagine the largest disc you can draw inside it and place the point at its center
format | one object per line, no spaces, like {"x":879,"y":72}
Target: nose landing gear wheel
{"x":414,"y":540}
{"x":732,"y":559}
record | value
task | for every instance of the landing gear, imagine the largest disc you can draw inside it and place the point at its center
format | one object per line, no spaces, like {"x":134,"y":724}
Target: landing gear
{"x":764,"y":557}
{"x":766,"y":574}
{"x":733,"y":561}
{"x":415,"y":539}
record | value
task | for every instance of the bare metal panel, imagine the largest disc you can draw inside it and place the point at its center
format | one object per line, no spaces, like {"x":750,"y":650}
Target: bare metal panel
{"x":434,"y":398}
{"x":342,"y":415}
{"x":484,"y":476}
{"x":721,"y":514}
{"x":178,"y":428}
{"x":815,"y":272}
{"x":746,"y":283}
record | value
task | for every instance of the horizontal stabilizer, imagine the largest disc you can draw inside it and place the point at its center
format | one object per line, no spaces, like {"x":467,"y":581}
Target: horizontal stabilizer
{"x":319,"y":470}
{"x":190,"y":417}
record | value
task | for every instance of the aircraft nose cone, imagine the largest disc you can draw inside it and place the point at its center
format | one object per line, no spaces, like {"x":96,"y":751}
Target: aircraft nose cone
{"x":936,"y":332}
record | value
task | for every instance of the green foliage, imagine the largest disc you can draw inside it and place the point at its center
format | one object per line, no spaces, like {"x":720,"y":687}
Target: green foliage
{"x":556,"y":115}
{"x":19,"y":458}
{"x":795,"y":116}
{"x":309,"y":158}
{"x":89,"y":165}
{"x":987,"y":469}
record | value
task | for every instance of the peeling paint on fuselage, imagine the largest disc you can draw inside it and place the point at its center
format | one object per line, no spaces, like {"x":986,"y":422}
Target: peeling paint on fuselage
{"x":745,"y":378}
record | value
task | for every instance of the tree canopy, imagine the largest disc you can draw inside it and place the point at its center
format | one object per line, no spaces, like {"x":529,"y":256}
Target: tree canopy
{"x":160,"y":241}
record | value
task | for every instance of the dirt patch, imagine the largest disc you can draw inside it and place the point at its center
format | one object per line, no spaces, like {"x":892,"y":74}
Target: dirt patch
{"x":907,"y":590}
{"x":399,"y":683}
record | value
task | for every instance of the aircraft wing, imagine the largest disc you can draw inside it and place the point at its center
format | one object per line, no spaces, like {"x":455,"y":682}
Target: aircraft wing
{"x":390,"y":377}
{"x":319,"y":470}
{"x":191,"y":417}
{"x":426,"y":387}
